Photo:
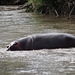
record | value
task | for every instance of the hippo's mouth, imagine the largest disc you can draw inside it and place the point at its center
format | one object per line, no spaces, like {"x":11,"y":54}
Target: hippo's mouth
{"x":8,"y":50}
{"x":13,"y":49}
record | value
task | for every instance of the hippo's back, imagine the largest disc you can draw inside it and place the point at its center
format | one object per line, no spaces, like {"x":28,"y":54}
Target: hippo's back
{"x":53,"y":40}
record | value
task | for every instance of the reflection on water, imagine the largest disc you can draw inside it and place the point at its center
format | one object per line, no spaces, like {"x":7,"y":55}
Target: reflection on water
{"x":15,"y":24}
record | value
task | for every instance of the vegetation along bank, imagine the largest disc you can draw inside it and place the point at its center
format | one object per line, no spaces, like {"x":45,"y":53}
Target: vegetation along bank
{"x":47,"y":7}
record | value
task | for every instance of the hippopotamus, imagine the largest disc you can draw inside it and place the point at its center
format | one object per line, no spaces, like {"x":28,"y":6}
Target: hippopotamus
{"x":43,"y":41}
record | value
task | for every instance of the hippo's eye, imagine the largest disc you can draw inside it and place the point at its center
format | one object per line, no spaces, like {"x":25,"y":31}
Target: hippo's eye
{"x":15,"y":43}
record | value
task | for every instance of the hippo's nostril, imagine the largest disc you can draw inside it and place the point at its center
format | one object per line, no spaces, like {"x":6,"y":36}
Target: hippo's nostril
{"x":7,"y":46}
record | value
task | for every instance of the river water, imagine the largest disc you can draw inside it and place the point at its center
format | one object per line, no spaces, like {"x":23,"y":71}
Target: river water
{"x":15,"y":24}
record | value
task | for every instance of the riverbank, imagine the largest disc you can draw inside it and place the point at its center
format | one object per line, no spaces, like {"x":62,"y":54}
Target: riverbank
{"x":49,"y":7}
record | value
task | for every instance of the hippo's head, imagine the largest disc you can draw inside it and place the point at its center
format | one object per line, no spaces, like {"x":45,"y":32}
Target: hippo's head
{"x":14,"y":46}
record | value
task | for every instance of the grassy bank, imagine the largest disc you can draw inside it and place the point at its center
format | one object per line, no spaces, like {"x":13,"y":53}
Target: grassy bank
{"x":54,"y":7}
{"x":47,"y":7}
